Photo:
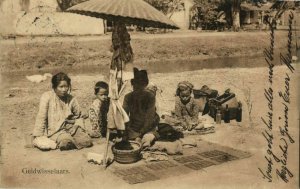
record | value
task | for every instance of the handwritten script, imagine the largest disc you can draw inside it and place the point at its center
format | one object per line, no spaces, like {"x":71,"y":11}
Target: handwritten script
{"x":281,"y":160}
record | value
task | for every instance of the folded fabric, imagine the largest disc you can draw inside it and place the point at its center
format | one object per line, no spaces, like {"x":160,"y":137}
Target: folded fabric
{"x":188,"y":142}
{"x":154,"y":156}
{"x":200,"y":131}
{"x":208,"y":125}
{"x":200,"y":126}
{"x":206,"y":121}
{"x":44,"y":143}
{"x":170,"y":148}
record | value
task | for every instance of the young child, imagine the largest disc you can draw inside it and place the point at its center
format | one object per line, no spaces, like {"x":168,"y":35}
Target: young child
{"x":98,"y":110}
{"x":186,"y":108}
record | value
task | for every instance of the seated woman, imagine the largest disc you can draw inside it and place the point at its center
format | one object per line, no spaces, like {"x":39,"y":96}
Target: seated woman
{"x":140,"y":106}
{"x":56,"y":119}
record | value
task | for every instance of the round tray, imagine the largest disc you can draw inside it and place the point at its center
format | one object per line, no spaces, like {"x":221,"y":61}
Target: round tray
{"x":128,"y":156}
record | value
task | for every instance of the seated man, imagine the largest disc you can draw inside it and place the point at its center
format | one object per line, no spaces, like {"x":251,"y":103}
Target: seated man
{"x":140,"y":106}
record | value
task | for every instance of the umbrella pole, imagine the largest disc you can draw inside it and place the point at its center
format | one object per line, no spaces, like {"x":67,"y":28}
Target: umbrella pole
{"x":107,"y":129}
{"x":106,"y":148}
{"x":121,"y":80}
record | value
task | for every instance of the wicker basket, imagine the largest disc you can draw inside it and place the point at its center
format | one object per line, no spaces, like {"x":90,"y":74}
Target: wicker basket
{"x":128,"y":156}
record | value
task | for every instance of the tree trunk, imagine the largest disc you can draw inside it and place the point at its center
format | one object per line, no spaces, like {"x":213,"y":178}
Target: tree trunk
{"x":104,"y":26}
{"x":236,"y":20}
{"x":235,"y":14}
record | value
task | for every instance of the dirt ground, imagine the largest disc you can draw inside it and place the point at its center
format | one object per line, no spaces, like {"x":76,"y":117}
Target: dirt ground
{"x":19,"y":110}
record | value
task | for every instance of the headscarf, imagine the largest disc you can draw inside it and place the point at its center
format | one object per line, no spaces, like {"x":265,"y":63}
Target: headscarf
{"x":184,"y":85}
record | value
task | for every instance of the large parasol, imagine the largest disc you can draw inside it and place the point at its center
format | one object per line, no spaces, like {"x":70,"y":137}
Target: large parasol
{"x":136,"y":12}
{"x":122,"y":12}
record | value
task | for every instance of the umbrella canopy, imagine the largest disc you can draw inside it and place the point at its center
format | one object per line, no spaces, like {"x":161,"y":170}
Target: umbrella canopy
{"x":136,"y":12}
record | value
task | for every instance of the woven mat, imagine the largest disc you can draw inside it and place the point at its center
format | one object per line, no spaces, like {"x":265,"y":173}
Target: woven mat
{"x":202,"y":157}
{"x":202,"y":131}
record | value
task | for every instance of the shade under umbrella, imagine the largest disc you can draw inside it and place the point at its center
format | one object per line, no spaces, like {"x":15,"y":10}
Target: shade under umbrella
{"x":136,"y":12}
{"x":121,"y":12}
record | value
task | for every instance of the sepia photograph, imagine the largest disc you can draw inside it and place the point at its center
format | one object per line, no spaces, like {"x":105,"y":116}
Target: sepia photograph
{"x":130,"y":94}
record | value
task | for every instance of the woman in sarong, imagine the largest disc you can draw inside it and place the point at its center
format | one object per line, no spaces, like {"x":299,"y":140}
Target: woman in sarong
{"x":56,"y":122}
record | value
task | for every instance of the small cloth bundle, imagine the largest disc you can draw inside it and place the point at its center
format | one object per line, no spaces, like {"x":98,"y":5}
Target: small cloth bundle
{"x":155,"y":156}
{"x":98,"y":158}
{"x":206,"y":121}
{"x":44,"y":143}
{"x":188,"y":142}
{"x":170,"y":148}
